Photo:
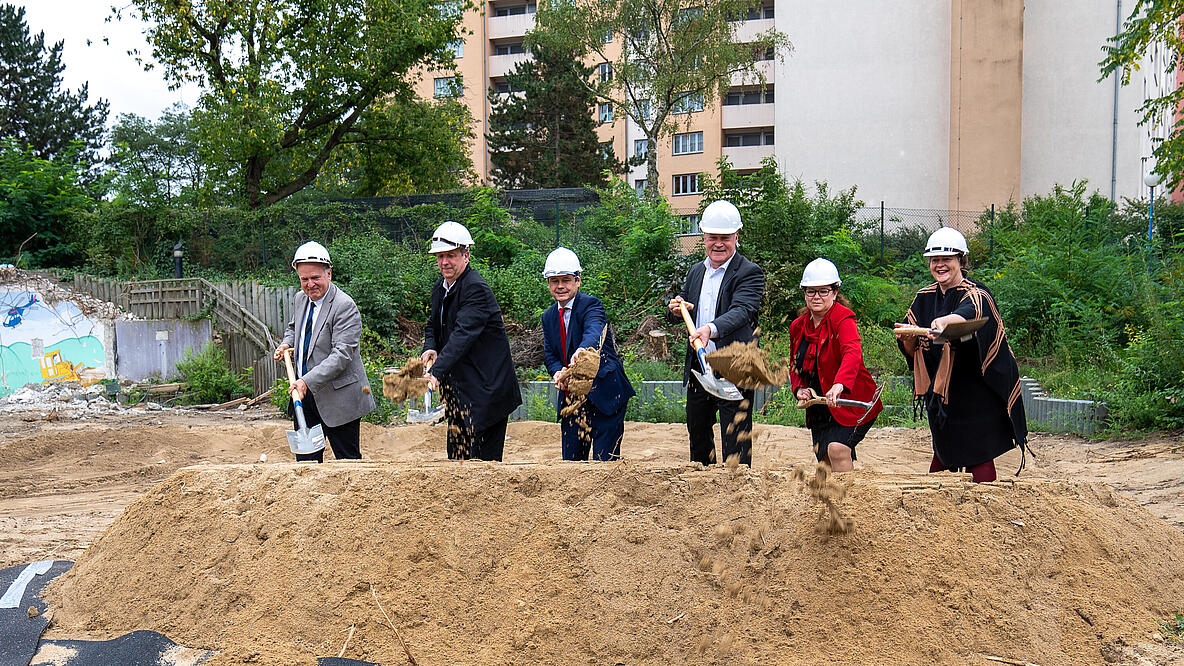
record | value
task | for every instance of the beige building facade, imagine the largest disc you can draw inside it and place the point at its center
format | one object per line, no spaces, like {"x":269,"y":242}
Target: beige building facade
{"x":950,"y":104}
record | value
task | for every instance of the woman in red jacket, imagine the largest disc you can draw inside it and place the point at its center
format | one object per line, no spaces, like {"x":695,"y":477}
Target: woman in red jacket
{"x":828,"y":357}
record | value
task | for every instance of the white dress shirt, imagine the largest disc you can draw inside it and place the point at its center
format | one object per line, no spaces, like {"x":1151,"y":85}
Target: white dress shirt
{"x":316,"y":314}
{"x":713,"y":280}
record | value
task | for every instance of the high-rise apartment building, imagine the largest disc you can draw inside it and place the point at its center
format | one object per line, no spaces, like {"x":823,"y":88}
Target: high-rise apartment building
{"x":946,"y":104}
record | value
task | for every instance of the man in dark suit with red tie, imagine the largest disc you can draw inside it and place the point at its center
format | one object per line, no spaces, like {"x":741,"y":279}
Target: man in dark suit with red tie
{"x":577,"y":322}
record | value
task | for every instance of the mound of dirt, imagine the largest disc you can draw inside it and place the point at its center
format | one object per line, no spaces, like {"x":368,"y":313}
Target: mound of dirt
{"x":748,"y":366}
{"x":625,"y":563}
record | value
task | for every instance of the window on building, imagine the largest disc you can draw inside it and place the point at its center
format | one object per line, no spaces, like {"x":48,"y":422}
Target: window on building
{"x":447,"y":86}
{"x":688,"y":103}
{"x":690,"y":224}
{"x":766,"y":53}
{"x":458,"y":48}
{"x":643,"y":109}
{"x":641,"y":147}
{"x":515,"y":10}
{"x":608,"y":36}
{"x":739,"y":139}
{"x":606,"y":113}
{"x":605,"y":69}
{"x":639,"y":186}
{"x":737,"y":97}
{"x":606,"y":150}
{"x":689,"y":142}
{"x":503,"y":86}
{"x":687,"y":14}
{"x":685,"y":183}
{"x":509,"y":49}
{"x":768,"y":11}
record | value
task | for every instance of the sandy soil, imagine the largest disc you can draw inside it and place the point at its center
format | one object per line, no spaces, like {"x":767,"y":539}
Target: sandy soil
{"x":62,"y":484}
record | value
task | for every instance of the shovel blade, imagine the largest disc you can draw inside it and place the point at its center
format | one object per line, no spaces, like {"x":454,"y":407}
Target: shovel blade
{"x":720,"y":388}
{"x":426,"y":415}
{"x":305,"y":441}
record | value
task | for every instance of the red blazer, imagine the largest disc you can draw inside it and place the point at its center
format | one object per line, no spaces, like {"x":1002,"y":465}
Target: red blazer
{"x":840,"y":361}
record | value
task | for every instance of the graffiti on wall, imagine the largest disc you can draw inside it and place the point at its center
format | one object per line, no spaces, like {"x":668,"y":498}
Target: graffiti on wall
{"x":41,"y":343}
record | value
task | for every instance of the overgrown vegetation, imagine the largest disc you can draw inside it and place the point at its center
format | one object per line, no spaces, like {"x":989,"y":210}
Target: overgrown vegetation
{"x":209,"y":376}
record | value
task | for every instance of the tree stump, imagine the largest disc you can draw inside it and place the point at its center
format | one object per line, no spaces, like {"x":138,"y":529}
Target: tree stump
{"x":656,"y":342}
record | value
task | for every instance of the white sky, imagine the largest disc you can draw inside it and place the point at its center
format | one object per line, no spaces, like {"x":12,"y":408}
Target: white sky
{"x":113,"y":75}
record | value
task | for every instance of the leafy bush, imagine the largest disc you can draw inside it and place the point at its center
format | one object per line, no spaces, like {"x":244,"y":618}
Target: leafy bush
{"x":368,"y":269}
{"x":209,"y":376}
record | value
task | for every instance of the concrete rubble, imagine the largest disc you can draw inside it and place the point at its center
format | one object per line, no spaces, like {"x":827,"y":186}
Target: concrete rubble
{"x":70,"y":400}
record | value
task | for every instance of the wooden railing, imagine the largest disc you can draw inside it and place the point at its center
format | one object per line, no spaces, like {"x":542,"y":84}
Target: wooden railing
{"x":248,"y":340}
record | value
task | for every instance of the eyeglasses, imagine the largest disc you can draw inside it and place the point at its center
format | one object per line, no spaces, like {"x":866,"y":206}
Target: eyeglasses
{"x":818,"y":293}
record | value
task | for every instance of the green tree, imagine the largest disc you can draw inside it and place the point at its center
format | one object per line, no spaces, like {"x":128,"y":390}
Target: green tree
{"x":542,"y":133}
{"x":156,"y":163}
{"x":285,"y":81}
{"x":1153,"y":22}
{"x":403,"y":145}
{"x":34,"y":109}
{"x":38,"y":197}
{"x":663,"y":58}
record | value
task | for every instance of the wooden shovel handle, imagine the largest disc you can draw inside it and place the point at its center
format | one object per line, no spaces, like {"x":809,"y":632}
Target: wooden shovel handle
{"x":686,"y":317}
{"x":814,"y":399}
{"x":288,"y":363}
{"x":910,"y":330}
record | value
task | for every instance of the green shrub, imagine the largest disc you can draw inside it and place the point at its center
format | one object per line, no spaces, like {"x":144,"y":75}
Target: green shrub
{"x":209,"y":376}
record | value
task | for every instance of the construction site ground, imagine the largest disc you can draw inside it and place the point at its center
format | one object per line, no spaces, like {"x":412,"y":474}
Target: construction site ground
{"x":225,"y":545}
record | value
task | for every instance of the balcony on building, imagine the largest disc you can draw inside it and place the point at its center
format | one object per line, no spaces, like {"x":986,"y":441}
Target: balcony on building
{"x":509,"y":19}
{"x":505,"y":55}
{"x":758,"y":20}
{"x":764,"y":68}
{"x":748,"y":107}
{"x":745,"y":149}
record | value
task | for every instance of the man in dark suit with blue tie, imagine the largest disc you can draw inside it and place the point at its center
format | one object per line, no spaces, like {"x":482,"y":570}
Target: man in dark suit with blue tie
{"x":576,"y":322}
{"x":724,"y":294}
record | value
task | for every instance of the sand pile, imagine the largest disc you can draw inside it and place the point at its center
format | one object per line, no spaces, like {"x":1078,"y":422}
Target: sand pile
{"x":625,"y":563}
{"x":748,"y":366}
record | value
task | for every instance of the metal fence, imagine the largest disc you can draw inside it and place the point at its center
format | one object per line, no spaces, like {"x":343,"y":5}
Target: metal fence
{"x":891,"y":233}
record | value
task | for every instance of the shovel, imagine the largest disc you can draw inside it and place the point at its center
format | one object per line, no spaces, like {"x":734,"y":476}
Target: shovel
{"x":816,"y":399}
{"x":304,"y":440}
{"x":962,"y":330}
{"x":428,"y":415}
{"x":716,"y":386}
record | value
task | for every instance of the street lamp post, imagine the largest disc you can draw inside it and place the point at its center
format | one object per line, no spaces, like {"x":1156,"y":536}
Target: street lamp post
{"x":1151,"y":180}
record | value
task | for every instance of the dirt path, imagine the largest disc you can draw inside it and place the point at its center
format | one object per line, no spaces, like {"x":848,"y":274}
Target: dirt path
{"x":63,"y":482}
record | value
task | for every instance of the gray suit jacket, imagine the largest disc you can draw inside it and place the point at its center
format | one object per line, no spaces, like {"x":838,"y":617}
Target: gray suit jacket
{"x":335,"y":373}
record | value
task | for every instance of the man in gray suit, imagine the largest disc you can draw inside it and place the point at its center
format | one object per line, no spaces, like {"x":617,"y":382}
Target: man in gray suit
{"x":325,"y":334}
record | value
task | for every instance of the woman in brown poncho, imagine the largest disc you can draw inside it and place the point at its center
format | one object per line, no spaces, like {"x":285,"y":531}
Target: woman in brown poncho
{"x":970,"y":387}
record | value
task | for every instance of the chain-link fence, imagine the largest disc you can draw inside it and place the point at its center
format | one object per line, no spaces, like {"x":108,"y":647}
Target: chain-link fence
{"x":890,"y":233}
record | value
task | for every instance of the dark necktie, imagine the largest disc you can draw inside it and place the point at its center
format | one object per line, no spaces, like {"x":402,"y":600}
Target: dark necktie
{"x":562,"y":337}
{"x":307,"y":341}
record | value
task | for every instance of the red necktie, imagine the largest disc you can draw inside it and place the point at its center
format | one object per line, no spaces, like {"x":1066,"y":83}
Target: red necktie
{"x":562,"y":337}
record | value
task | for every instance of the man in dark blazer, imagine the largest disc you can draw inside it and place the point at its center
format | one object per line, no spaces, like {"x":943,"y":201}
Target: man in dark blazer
{"x":725,"y":291}
{"x":575,"y":323}
{"x":466,"y":346}
{"x":325,"y":333}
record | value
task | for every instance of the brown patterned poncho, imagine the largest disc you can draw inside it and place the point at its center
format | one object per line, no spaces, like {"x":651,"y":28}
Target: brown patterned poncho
{"x":970,"y":389}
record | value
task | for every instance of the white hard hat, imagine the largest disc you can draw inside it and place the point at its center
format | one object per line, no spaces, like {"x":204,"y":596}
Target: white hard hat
{"x":720,"y":217}
{"x":562,"y":261}
{"x":449,"y":236}
{"x":820,"y":273}
{"x":945,"y":242}
{"x":311,"y":252}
